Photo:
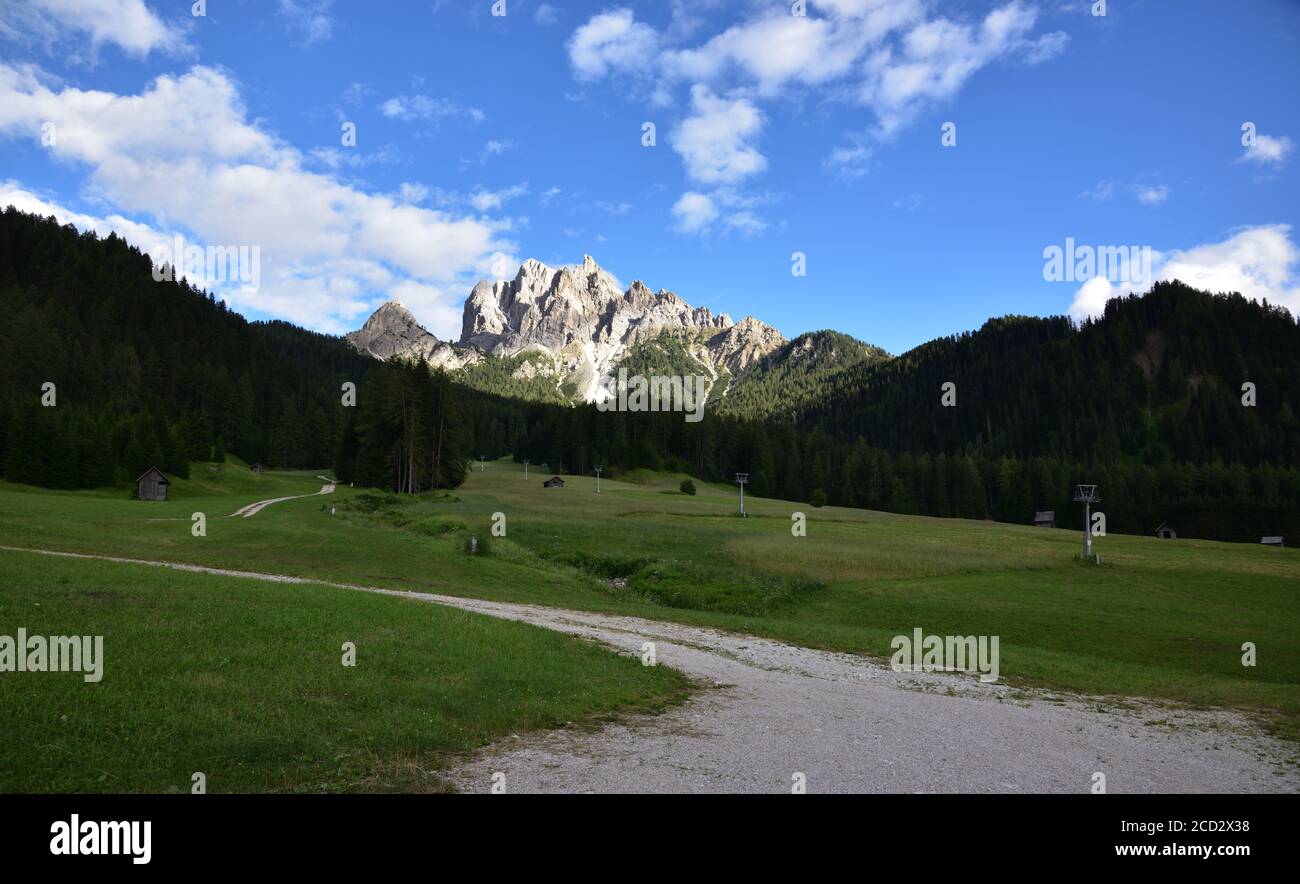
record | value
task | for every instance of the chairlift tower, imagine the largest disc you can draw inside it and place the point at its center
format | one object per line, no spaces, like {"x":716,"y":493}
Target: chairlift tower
{"x":482,"y":464}
{"x":598,"y":470}
{"x":741,"y":480}
{"x":525,"y":469}
{"x":1087,"y":495}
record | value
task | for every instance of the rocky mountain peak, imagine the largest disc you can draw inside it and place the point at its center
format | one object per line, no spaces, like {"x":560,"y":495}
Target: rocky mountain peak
{"x":578,"y":314}
{"x":745,"y":343}
{"x":393,"y":330}
{"x":394,"y":313}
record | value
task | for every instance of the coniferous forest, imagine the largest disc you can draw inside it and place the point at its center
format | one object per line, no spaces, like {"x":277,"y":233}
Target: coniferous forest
{"x":1146,"y":402}
{"x":144,"y":372}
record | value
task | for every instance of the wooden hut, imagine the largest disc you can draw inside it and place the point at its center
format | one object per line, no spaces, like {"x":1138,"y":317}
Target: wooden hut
{"x":259,"y":468}
{"x":1045,"y":519}
{"x":553,"y":482}
{"x":1166,"y":532}
{"x":1275,"y":540}
{"x":152,"y":485}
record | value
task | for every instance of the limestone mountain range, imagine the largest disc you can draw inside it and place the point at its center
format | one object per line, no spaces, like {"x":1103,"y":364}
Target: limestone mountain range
{"x":573,"y":327}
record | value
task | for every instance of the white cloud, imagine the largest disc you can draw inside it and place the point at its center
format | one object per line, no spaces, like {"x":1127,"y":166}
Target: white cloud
{"x":1152,"y":195}
{"x":423,"y":107}
{"x":1045,"y":47}
{"x":356,"y":93}
{"x":911,"y":202}
{"x":335,"y":158}
{"x":310,"y":19}
{"x":886,"y":55}
{"x":1147,"y":194}
{"x":546,"y":14}
{"x":694,"y":212}
{"x":402,"y":107}
{"x":884,"y":51}
{"x":850,"y":162}
{"x":745,"y":222}
{"x":487,"y":200}
{"x":777,"y":48}
{"x":712,"y":139}
{"x":1259,"y":262}
{"x":1090,"y":300}
{"x":1268,"y":150}
{"x":611,"y":41}
{"x":935,"y":59}
{"x":712,"y":142}
{"x":702,"y":213}
{"x":1101,"y":193}
{"x":412,"y":192}
{"x":547,"y":195}
{"x":197,"y":116}
{"x":493,"y":147}
{"x":183,"y":154}
{"x":129,"y":24}
{"x":142,"y":236}
{"x":611,"y":208}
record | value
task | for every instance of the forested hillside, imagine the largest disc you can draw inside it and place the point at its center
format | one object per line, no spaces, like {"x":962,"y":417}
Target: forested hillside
{"x":796,"y":376}
{"x":529,"y":375}
{"x":146,"y":372}
{"x":1158,"y":379}
{"x":1145,"y":402}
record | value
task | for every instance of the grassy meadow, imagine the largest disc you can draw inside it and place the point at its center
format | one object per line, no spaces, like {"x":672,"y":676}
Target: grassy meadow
{"x":244,"y":681}
{"x":1158,"y":619}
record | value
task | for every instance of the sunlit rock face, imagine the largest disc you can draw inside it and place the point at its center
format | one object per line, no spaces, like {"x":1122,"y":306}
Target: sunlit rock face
{"x":581,"y":316}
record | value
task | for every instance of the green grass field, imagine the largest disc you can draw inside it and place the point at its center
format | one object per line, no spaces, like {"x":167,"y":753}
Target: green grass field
{"x":1159,"y":619}
{"x":244,"y":681}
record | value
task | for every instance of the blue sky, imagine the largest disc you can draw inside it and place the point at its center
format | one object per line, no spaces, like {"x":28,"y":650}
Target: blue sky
{"x":482,"y":140}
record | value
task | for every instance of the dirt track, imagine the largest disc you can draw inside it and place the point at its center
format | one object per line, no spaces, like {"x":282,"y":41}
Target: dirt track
{"x":769,"y":711}
{"x":849,"y":724}
{"x":253,"y":509}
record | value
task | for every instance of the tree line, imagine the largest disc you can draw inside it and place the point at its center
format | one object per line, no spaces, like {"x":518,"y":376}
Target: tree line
{"x":1157,"y":379}
{"x":1146,"y":402}
{"x":146,"y":373}
{"x":409,"y":431}
{"x":1214,"y":500}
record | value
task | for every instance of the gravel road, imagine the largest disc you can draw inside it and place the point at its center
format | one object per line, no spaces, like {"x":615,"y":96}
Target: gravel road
{"x":253,"y":509}
{"x":768,"y":711}
{"x":848,"y":724}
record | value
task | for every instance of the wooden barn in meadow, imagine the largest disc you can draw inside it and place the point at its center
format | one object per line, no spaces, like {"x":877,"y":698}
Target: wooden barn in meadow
{"x":553,"y":482}
{"x":1272,"y":541}
{"x":1045,"y":519}
{"x":152,"y":485}
{"x":1166,"y":532}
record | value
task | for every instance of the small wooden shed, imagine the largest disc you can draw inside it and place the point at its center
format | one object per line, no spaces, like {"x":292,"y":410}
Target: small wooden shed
{"x":152,"y":485}
{"x":1166,"y":532}
{"x":1275,"y":540}
{"x":259,"y":467}
{"x":553,"y":482}
{"x":1045,"y":519}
